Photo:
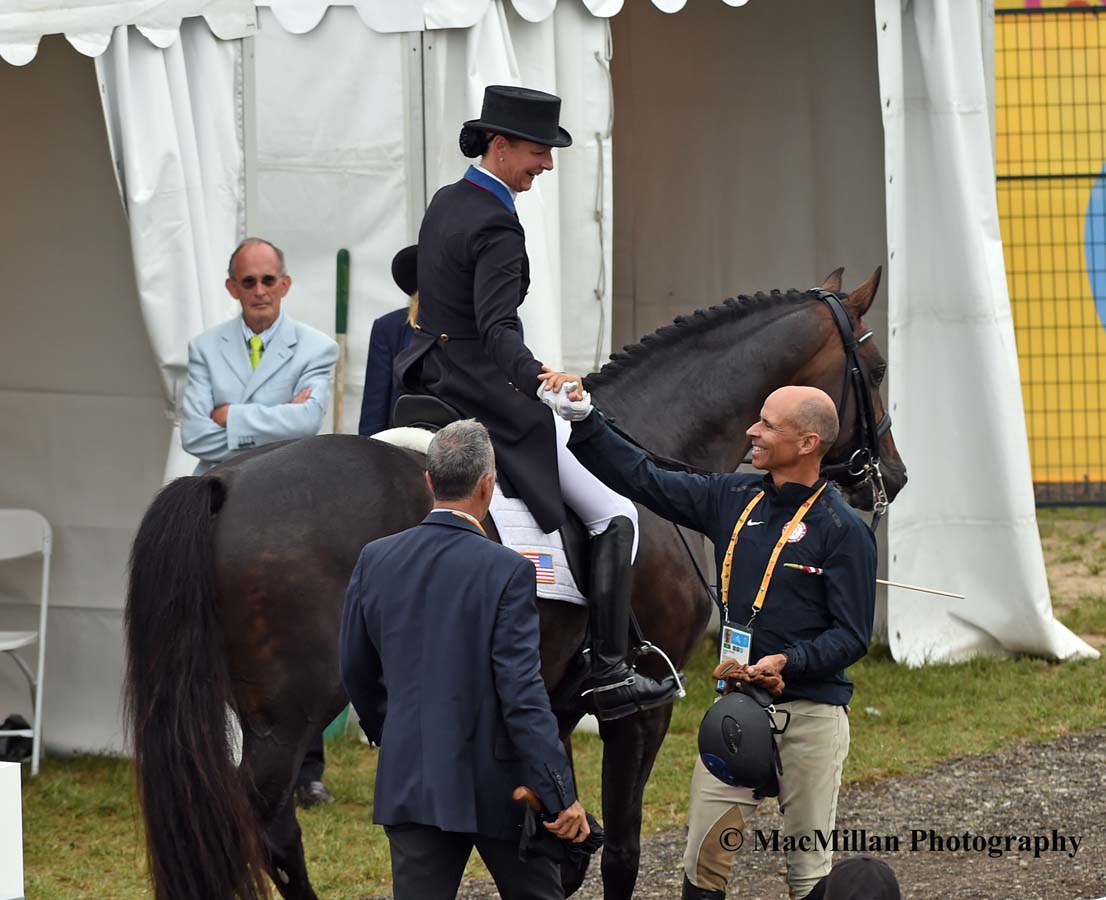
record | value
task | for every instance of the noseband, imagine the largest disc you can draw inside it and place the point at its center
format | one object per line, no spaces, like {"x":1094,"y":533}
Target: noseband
{"x":863,"y":465}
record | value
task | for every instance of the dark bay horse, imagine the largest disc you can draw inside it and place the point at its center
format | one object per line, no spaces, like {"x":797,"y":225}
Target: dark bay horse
{"x":238,"y":576}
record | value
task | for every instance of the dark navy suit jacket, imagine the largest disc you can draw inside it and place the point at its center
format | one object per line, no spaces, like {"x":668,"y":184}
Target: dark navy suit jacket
{"x":390,"y":334}
{"x":439,"y":655}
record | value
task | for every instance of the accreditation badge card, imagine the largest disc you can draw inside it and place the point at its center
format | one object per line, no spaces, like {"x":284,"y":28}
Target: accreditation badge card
{"x":736,"y":643}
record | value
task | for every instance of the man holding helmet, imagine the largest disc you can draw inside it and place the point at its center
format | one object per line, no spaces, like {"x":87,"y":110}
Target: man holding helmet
{"x":797,"y":570}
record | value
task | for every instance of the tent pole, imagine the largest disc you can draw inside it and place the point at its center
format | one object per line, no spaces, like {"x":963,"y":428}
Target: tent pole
{"x":248,"y":222}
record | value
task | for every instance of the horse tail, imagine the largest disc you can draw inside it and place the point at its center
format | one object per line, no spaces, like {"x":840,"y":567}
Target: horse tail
{"x":203,"y":835}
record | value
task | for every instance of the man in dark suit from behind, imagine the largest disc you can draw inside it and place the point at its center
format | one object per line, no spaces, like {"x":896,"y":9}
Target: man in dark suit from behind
{"x":439,"y":655}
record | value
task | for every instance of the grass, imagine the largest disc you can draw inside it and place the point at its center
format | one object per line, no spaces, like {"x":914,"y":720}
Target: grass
{"x":1088,"y":616}
{"x":82,"y":837}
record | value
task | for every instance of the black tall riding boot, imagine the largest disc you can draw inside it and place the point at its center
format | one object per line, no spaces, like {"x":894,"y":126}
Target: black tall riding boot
{"x":616,"y":687}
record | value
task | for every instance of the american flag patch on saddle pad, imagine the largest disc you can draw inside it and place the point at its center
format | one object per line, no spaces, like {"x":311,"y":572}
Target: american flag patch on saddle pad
{"x":518,"y":530}
{"x":543,"y":566}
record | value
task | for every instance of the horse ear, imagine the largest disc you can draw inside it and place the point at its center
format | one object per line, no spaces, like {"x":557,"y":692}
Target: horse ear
{"x":860,"y":298}
{"x":833,"y":280}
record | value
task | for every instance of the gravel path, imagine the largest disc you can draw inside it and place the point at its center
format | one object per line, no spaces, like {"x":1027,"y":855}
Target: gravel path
{"x":1028,"y":790}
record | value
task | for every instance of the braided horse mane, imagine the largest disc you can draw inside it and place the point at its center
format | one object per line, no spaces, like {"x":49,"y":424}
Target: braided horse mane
{"x":626,"y":361}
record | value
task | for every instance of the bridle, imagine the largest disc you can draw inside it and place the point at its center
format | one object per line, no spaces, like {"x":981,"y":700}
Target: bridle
{"x":863,"y":466}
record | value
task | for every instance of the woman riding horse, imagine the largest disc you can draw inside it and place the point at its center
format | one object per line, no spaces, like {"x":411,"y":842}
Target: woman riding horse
{"x":467,"y":350}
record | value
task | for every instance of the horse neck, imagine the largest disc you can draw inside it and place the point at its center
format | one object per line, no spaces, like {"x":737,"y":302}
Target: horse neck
{"x":692,"y":396}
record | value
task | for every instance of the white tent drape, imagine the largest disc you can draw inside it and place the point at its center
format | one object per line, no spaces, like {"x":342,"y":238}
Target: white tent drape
{"x":174,"y":119}
{"x":583,"y":59}
{"x":967,"y":522}
{"x":341,"y":171}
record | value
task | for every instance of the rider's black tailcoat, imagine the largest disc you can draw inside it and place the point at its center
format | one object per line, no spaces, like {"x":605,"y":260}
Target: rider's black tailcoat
{"x":473,"y":276}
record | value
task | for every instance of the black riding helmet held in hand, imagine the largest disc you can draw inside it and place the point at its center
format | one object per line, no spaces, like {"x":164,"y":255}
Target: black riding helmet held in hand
{"x":737,"y":742}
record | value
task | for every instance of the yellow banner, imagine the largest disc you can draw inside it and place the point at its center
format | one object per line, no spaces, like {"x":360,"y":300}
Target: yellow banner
{"x":1050,"y":107}
{"x":1045,"y":4}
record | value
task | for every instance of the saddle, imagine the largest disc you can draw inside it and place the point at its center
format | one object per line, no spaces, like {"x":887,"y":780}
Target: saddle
{"x":423,"y":411}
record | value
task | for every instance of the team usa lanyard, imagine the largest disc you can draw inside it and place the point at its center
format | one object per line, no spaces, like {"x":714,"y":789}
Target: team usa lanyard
{"x":465,"y":515}
{"x":727,"y":563}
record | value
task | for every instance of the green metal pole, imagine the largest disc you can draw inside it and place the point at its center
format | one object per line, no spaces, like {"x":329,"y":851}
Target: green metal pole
{"x":341,"y":320}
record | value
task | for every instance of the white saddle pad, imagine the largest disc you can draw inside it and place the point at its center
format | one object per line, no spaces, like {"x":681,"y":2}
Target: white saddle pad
{"x":517,"y":527}
{"x":519,"y":530}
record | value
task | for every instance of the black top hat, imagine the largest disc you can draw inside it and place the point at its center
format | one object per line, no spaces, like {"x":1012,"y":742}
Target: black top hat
{"x":522,"y":113}
{"x":405,"y":270}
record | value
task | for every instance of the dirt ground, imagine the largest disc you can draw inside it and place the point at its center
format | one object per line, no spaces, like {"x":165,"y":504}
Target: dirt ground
{"x":1044,"y":791}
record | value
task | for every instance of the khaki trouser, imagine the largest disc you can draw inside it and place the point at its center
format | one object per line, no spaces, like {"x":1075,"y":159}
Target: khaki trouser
{"x":812,"y":751}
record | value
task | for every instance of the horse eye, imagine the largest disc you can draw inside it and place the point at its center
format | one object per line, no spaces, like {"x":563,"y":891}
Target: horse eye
{"x":878,"y":373}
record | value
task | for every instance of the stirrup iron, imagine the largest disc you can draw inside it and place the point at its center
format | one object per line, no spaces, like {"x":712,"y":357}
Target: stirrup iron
{"x":645,"y":648}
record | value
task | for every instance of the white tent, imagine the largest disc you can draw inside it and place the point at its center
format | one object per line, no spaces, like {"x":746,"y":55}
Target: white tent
{"x":750,"y":155}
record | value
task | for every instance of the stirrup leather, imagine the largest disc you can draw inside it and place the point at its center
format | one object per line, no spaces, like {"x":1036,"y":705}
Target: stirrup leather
{"x":625,"y":682}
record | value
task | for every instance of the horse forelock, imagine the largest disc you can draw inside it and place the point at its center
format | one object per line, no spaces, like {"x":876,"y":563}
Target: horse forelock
{"x":731,"y":311}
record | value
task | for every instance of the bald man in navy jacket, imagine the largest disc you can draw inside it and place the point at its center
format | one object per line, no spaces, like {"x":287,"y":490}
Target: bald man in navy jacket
{"x":440,"y":657}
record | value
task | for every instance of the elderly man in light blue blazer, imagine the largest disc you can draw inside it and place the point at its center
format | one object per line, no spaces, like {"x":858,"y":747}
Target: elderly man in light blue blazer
{"x":261,"y":377}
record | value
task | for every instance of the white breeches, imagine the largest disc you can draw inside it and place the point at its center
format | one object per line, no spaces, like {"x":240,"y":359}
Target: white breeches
{"x":594,"y":502}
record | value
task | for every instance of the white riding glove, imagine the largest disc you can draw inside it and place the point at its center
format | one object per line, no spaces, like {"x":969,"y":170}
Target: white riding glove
{"x":572,"y":410}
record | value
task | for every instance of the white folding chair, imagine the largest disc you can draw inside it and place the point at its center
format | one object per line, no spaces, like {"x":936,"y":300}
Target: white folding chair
{"x":24,"y":532}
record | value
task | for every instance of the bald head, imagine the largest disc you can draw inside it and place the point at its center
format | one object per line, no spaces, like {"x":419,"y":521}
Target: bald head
{"x":809,"y":410}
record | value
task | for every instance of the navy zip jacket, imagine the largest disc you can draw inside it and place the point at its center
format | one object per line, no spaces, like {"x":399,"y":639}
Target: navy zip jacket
{"x":823,"y":623}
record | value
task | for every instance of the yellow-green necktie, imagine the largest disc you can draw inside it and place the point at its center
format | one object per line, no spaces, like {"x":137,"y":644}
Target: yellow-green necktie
{"x":256,"y":347}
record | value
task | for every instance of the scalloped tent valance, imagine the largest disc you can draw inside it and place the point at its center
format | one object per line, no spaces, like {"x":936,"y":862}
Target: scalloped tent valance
{"x":88,"y":24}
{"x":300,"y":16}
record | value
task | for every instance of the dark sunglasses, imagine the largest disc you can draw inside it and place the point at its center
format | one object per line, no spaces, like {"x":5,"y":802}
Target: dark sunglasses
{"x":251,"y":282}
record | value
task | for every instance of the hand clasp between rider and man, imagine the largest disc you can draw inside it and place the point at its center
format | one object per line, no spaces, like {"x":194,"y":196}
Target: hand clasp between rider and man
{"x":561,"y":402}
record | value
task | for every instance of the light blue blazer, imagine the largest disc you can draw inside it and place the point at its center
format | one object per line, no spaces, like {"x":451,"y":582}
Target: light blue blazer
{"x":219,"y":372}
